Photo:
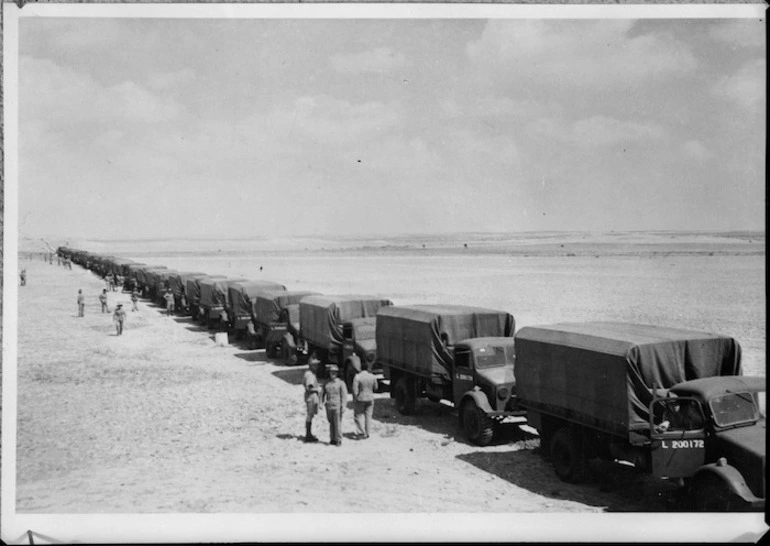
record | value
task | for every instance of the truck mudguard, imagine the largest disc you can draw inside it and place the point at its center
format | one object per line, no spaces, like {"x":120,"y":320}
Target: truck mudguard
{"x":321,"y":317}
{"x":411,"y":337}
{"x":732,"y":477}
{"x":479,"y":398}
{"x":601,"y":374}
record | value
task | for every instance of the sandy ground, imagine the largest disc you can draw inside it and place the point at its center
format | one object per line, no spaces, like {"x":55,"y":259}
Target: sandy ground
{"x":162,"y":420}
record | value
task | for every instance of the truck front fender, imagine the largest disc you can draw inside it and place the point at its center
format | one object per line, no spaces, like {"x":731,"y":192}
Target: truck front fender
{"x":732,"y":477}
{"x":479,"y":398}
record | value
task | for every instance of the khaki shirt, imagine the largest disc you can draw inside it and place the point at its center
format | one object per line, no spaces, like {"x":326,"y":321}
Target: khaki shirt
{"x":364,"y":385}
{"x":336,"y":394}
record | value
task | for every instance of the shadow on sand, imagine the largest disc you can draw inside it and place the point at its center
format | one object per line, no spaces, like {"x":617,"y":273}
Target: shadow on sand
{"x":252,"y":356}
{"x":292,"y":376}
{"x":616,"y":487}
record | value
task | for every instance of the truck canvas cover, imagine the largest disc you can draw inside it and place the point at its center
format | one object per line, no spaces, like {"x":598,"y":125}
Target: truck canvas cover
{"x":194,"y":286}
{"x":410,"y":337}
{"x":602,"y":373}
{"x":321,"y":317}
{"x":213,"y":291}
{"x":267,"y":306}
{"x":178,"y":281}
{"x":144,"y":274}
{"x":242,"y":295}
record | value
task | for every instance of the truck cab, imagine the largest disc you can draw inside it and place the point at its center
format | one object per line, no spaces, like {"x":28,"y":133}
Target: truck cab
{"x":358,"y":338}
{"x":711,"y":432}
{"x":484,"y":385}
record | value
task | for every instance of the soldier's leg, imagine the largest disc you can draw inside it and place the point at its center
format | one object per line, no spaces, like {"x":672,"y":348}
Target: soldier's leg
{"x":358,"y":417}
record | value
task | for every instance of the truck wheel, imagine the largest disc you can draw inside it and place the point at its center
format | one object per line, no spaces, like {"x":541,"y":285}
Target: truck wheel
{"x":404,"y":396}
{"x":709,"y":493}
{"x":287,"y":354}
{"x":478,"y":426}
{"x":270,"y":351}
{"x":567,"y":457}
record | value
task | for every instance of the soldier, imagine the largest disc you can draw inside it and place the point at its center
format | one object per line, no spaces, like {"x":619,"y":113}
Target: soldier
{"x":81,"y":303}
{"x":103,"y":301}
{"x":364,"y":385}
{"x":251,"y":337}
{"x":335,"y":398}
{"x":169,"y":297}
{"x":134,"y":299}
{"x":310,"y":382}
{"x":23,"y":276}
{"x":119,"y":317}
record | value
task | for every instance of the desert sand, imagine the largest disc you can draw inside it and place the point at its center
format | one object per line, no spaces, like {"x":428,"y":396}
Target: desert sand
{"x":162,"y":419}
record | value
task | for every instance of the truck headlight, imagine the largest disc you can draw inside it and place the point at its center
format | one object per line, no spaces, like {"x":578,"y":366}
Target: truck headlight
{"x":502,"y":394}
{"x":370,"y":356}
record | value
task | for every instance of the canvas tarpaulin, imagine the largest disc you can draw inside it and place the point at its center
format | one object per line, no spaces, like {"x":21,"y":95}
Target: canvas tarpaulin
{"x":321,"y":317}
{"x":145,"y":275}
{"x":603,"y":373}
{"x":412,"y":337}
{"x":267,"y":306}
{"x":194,"y":287}
{"x":178,"y":281}
{"x":243,"y":294}
{"x":213,"y":291}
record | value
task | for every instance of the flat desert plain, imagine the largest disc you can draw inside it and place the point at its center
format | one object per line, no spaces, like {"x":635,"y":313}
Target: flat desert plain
{"x":162,"y":419}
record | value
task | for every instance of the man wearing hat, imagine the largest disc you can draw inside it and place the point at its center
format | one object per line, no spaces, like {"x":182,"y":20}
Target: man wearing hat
{"x":169,"y":297}
{"x":118,"y":317}
{"x":335,"y":398}
{"x":310,"y":382}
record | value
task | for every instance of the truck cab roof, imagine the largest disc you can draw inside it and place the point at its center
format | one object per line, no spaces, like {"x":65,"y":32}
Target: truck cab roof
{"x":709,"y":387}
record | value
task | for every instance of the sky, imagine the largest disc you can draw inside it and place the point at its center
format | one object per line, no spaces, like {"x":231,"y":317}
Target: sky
{"x":156,"y":128}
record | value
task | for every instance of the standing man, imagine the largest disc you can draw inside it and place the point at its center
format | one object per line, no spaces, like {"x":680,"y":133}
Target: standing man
{"x":119,"y":317}
{"x":81,"y":303}
{"x":23,"y":276}
{"x":335,"y":398}
{"x":310,"y":382}
{"x":103,"y":301}
{"x":134,"y":299}
{"x":169,"y":297}
{"x":364,"y":385}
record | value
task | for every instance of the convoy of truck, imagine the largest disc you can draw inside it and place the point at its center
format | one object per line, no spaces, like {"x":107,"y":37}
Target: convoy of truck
{"x":671,"y":402}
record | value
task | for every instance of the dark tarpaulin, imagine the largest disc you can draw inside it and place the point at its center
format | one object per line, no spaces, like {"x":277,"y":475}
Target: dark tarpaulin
{"x":267,"y":306}
{"x":242,"y":294}
{"x":194,"y":287}
{"x":603,"y":373}
{"x":410,"y":337}
{"x":178,"y":281}
{"x":321,"y":317}
{"x":145,"y":275}
{"x":213,"y":291}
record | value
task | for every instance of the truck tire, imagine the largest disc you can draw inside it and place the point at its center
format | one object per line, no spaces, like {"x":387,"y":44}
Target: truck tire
{"x":404,"y":397}
{"x":710,"y":493}
{"x":270,"y":351}
{"x":567,"y":456}
{"x":287,"y":354}
{"x":478,"y":426}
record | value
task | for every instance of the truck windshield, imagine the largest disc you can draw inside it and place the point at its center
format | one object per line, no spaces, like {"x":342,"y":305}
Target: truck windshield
{"x":733,"y":408}
{"x":490,"y":356}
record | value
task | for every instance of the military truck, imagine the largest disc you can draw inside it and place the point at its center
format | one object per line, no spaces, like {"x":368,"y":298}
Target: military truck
{"x":178,"y":285}
{"x":145,"y":279}
{"x":671,"y":402}
{"x":130,"y":279}
{"x":456,"y":353}
{"x":276,"y":322}
{"x":194,"y":293}
{"x":358,"y":338}
{"x":162,"y":279}
{"x":213,"y":299}
{"x":241,"y":297}
{"x":322,"y":319}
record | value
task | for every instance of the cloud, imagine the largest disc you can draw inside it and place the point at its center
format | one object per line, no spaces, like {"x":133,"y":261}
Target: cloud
{"x":746,"y":87}
{"x":58,"y":95}
{"x":577,"y":52}
{"x":326,"y":119}
{"x":601,"y":131}
{"x":380,"y":60}
{"x":742,"y":33}
{"x":171,"y":80}
{"x":696,"y":150}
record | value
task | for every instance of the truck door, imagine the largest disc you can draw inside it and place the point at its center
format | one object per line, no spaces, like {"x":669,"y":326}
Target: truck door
{"x":462,"y":380}
{"x":677,"y":431}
